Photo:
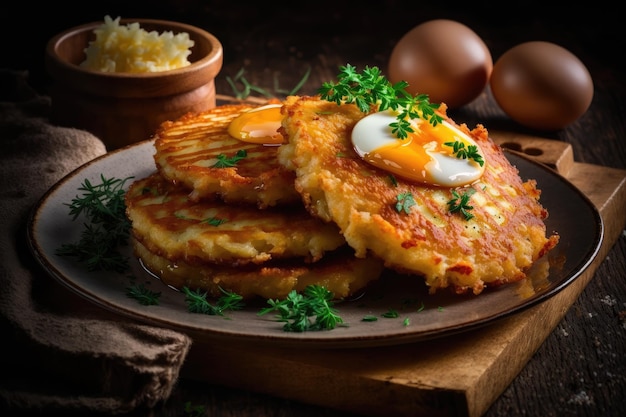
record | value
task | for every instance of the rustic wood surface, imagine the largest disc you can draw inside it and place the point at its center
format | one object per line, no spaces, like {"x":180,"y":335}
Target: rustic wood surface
{"x":580,"y":368}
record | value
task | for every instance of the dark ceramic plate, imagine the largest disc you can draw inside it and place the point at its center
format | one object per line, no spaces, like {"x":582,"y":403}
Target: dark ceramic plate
{"x":421,"y":316}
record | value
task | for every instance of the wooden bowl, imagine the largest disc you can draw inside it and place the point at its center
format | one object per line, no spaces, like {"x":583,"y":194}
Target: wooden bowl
{"x":124,"y":108}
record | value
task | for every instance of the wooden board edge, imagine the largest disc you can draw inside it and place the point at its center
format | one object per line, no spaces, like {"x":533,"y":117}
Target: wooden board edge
{"x":271,"y":371}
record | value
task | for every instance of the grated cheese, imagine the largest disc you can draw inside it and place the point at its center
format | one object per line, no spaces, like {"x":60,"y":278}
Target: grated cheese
{"x":129,"y":48}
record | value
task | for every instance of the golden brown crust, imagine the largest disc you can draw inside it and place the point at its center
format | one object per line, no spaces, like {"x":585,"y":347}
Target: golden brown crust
{"x":171,"y":225}
{"x":506,"y":235}
{"x":187,"y":149}
{"x":340,"y":273}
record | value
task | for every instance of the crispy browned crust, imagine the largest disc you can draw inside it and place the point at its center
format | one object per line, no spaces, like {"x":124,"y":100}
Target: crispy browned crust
{"x":187,"y":149}
{"x":171,"y":225}
{"x":505,"y":237}
{"x":339,"y":272}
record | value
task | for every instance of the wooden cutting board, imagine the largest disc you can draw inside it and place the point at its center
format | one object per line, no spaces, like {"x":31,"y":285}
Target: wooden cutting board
{"x":458,"y":375}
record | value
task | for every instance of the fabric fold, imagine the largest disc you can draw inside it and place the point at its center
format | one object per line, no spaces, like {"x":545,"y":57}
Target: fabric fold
{"x":63,"y":352}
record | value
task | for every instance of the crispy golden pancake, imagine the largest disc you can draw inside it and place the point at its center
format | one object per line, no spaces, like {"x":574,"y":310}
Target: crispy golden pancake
{"x":188,"y":148}
{"x":503,"y":239}
{"x":173,"y":226}
{"x":339,"y":272}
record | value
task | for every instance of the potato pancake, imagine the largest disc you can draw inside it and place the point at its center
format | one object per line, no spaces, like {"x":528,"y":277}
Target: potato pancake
{"x":188,"y":149}
{"x":497,"y":245}
{"x":340,"y":272}
{"x":173,"y":226}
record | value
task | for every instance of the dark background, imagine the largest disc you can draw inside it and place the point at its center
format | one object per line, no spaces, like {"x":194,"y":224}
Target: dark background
{"x":585,"y":353}
{"x":592,"y":29}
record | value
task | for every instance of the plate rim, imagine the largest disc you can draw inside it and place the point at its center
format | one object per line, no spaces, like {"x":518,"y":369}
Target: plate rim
{"x":306,"y":339}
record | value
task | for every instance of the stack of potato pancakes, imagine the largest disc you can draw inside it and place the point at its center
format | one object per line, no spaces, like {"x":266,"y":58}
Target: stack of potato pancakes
{"x":223,"y":214}
{"x":211,"y":219}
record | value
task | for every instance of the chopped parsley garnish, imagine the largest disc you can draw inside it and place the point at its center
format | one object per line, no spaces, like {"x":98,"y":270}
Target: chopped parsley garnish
{"x":391,"y":314}
{"x":404,"y":202}
{"x":311,"y":310}
{"x":469,"y":152}
{"x":212,"y":221}
{"x":197,"y":302}
{"x":224,"y":161}
{"x":460,"y":203}
{"x":370,"y":89}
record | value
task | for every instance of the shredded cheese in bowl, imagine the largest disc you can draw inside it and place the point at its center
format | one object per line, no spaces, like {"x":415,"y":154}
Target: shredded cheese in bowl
{"x":129,"y":48}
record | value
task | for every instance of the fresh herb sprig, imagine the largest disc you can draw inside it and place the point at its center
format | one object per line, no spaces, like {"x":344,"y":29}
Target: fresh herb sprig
{"x":369,"y":90}
{"x":197,"y":302}
{"x":460,"y":203}
{"x":224,"y":161}
{"x":106,"y":227}
{"x":247,"y":88}
{"x":192,"y":410}
{"x":143,"y":294}
{"x":462,"y":152}
{"x":307,"y":311}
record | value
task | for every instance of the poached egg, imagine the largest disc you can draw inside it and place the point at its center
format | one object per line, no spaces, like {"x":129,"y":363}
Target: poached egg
{"x":259,"y":125}
{"x":423,"y":156}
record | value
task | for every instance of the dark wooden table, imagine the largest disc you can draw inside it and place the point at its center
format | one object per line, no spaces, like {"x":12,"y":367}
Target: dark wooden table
{"x":580,"y":369}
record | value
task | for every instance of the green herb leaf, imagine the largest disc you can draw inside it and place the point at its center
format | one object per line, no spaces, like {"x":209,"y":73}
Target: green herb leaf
{"x":142,"y":294}
{"x":197,"y":302}
{"x":370,"y":90}
{"x":224,"y":161}
{"x":460,"y":203}
{"x":404,"y":202}
{"x":248,"y":88}
{"x":194,"y":410}
{"x":391,"y":314}
{"x":310,"y":310}
{"x":461,"y":152}
{"x":212,"y":221}
{"x":106,"y":227}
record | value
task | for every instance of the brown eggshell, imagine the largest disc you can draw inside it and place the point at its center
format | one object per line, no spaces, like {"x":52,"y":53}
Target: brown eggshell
{"x":541,"y":85}
{"x":444,"y":59}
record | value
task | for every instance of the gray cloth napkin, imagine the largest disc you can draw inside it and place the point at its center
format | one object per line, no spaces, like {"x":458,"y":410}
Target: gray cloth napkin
{"x":63,"y":352}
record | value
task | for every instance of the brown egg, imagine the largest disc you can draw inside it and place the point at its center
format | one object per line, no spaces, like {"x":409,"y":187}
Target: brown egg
{"x":541,"y":85}
{"x":444,"y":59}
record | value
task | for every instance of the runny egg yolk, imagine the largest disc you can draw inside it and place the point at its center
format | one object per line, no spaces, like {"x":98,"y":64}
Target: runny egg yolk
{"x":258,"y":125}
{"x":422,"y":156}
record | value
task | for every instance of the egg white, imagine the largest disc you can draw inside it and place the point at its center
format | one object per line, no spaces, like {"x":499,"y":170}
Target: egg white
{"x":374,"y":131}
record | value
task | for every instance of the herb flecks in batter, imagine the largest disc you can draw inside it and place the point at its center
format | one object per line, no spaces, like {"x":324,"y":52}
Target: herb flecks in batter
{"x":460,"y":203}
{"x":370,"y":89}
{"x":212,"y":221}
{"x":469,"y":152}
{"x":224,"y":161}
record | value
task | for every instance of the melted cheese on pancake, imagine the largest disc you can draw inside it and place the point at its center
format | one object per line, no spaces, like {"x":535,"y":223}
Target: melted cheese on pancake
{"x":170,"y":224}
{"x":503,"y":239}
{"x":187,"y":150}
